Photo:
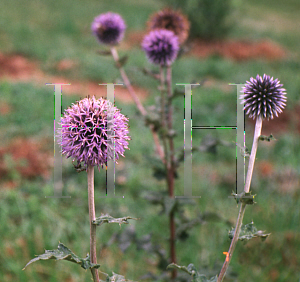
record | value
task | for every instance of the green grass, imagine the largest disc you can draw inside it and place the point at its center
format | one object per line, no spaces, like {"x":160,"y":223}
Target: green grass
{"x":49,"y":31}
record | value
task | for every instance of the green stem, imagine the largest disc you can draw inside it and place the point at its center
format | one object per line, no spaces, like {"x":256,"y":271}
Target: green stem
{"x":163,"y":117}
{"x":170,"y":128}
{"x":92,"y":216}
{"x":137,"y":101}
{"x":127,"y":82}
{"x":257,"y":133}
{"x":171,"y":169}
{"x":233,"y":242}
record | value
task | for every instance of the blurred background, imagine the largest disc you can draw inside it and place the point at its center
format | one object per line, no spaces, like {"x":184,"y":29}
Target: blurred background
{"x":230,"y":41}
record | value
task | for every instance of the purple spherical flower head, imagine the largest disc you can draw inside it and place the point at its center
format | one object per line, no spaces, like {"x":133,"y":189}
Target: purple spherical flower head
{"x":161,"y":46}
{"x":89,"y":129}
{"x":263,"y":97}
{"x":109,"y":28}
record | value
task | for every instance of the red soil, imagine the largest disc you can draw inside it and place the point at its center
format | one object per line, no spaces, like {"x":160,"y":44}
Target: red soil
{"x":25,"y":156}
{"x":15,"y":67}
{"x":238,"y":50}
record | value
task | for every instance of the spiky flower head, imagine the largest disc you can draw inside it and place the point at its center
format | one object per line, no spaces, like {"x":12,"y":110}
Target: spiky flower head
{"x":161,"y":46}
{"x":171,"y":20}
{"x":264,"y":97}
{"x":92,"y":130}
{"x":109,"y":28}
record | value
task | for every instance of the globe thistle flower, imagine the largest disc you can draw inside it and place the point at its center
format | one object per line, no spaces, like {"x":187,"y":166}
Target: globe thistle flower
{"x":161,"y":46}
{"x":109,"y":28}
{"x":171,"y":20}
{"x":263,"y":97}
{"x":88,"y":136}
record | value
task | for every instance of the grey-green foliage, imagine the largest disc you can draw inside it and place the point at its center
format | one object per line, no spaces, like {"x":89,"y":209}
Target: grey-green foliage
{"x":106,"y":218}
{"x":116,"y":278}
{"x":63,"y":253}
{"x":248,"y":231}
{"x":210,"y":19}
{"x":266,"y":138}
{"x":191,"y":270}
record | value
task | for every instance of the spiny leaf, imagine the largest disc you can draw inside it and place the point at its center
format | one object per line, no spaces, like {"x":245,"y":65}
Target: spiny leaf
{"x":243,"y":197}
{"x":248,"y":232}
{"x":116,"y":278}
{"x":63,"y":253}
{"x":266,"y":138}
{"x":188,"y":269}
{"x":159,"y":169}
{"x":174,"y":204}
{"x":245,"y":152}
{"x":169,"y":204}
{"x":191,"y":269}
{"x":106,"y":218}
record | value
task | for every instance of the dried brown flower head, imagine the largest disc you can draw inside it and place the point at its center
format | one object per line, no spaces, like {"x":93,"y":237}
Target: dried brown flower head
{"x":171,"y":20}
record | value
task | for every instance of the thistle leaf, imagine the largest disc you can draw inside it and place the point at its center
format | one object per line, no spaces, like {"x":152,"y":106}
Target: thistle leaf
{"x":159,"y":169}
{"x":106,"y":218}
{"x":248,"y":231}
{"x":116,"y":278}
{"x":170,"y":205}
{"x":63,"y":253}
{"x":191,"y":270}
{"x":245,"y":152}
{"x":188,"y":269}
{"x":243,"y":197}
{"x":266,"y":138}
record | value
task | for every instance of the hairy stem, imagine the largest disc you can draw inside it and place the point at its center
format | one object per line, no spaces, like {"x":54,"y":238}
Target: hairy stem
{"x":171,"y":168}
{"x":92,"y":216}
{"x":127,"y":82}
{"x":163,"y":117}
{"x":137,"y":101}
{"x":170,"y":128}
{"x":164,"y":125}
{"x":233,"y":242}
{"x":257,"y":132}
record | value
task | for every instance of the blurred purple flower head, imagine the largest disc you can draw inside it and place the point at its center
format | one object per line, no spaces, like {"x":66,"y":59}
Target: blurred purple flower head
{"x":109,"y":28}
{"x":161,"y":46}
{"x":263,"y":97}
{"x":89,"y":129}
